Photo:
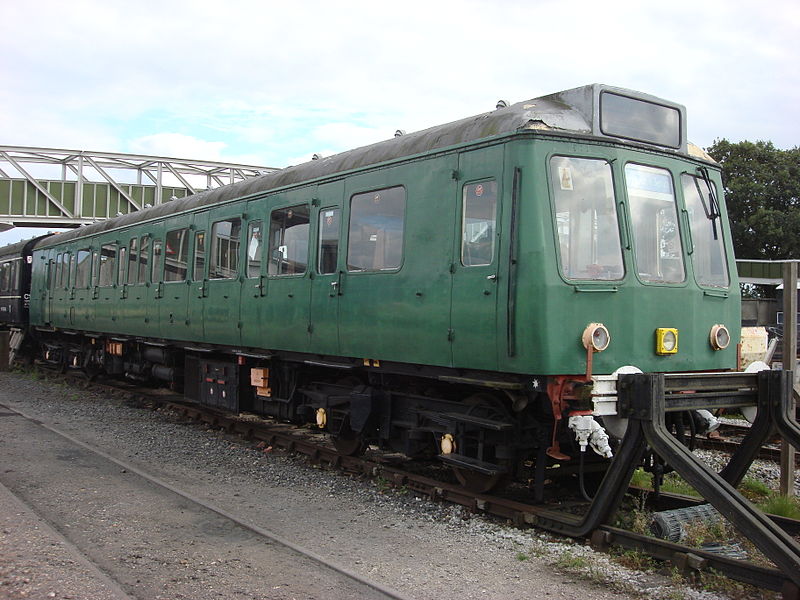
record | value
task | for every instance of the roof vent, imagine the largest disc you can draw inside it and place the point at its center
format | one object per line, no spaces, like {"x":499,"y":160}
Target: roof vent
{"x":399,"y":133}
{"x":316,"y":157}
{"x":501,"y":104}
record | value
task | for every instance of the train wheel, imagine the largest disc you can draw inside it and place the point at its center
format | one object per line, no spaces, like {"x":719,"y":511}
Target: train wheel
{"x":478,"y":483}
{"x":347,"y":442}
{"x":486,"y":406}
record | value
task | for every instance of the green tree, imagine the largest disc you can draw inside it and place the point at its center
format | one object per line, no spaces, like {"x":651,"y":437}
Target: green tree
{"x":762,"y":191}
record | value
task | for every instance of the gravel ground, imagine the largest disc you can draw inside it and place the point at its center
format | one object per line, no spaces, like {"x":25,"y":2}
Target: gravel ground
{"x":423,"y":549}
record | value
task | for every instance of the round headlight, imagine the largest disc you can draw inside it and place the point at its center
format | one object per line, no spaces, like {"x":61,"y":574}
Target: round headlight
{"x":596,"y":337}
{"x":669,"y":341}
{"x":719,"y":337}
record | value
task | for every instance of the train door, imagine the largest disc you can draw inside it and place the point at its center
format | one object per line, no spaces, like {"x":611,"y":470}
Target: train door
{"x":395,"y":283}
{"x":48,"y":287}
{"x":60,"y":307}
{"x":105,"y":293}
{"x":286,"y":311}
{"x":327,"y":269}
{"x":254,"y":285}
{"x":82,"y":311}
{"x":222,"y":296}
{"x":476,"y":268}
{"x":134,"y":303}
{"x":173,"y":285}
{"x":198,"y":278}
{"x":154,"y":290}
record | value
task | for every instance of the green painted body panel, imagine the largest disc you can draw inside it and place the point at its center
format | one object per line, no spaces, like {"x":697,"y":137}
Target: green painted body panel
{"x":433,"y":310}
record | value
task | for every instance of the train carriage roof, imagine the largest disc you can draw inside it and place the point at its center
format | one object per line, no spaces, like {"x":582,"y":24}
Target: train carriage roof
{"x":572,"y":111}
{"x":19,"y":249}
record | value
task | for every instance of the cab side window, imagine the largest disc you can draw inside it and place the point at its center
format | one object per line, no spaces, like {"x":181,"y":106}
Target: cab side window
{"x":478,"y":223}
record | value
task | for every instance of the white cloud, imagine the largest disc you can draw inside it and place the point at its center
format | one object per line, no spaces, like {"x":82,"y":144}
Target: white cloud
{"x":177,"y":145}
{"x":279,"y":80}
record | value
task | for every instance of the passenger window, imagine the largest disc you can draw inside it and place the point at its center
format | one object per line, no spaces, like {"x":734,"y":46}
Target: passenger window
{"x":254,"y":248}
{"x":225,"y":236}
{"x":155,"y":274}
{"x":288,"y":241}
{"x":328,"y":248}
{"x":375,"y":235}
{"x":95,"y":268}
{"x":654,"y":222}
{"x":5,"y":272}
{"x":133,"y":260}
{"x":59,"y":276}
{"x":108,"y":265}
{"x":479,"y":217}
{"x":176,"y":263}
{"x":51,"y":274}
{"x":144,"y":259}
{"x":586,"y":218}
{"x":199,"y":255}
{"x":71,"y":272}
{"x":83,"y":269}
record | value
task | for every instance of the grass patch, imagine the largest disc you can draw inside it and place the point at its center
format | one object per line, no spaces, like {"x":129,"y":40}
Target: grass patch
{"x":673,"y":483}
{"x":754,"y":490}
{"x":521,"y":556}
{"x":636,"y":559}
{"x":783,"y":506}
{"x":642,"y":479}
{"x":569,"y":561}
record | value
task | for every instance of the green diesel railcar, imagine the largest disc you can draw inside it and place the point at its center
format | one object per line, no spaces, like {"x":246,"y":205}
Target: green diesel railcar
{"x":473,"y":280}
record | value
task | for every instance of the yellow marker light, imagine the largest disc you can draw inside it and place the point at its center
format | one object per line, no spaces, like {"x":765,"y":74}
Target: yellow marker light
{"x":666,"y":341}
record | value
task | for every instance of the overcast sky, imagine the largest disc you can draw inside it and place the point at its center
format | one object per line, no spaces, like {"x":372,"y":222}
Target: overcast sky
{"x":271,"y":83}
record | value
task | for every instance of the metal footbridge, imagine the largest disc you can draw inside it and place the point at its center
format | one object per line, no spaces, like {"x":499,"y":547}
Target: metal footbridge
{"x":49,"y":187}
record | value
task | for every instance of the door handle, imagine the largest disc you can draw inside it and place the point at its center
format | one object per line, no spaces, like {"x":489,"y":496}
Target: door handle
{"x":492,"y":277}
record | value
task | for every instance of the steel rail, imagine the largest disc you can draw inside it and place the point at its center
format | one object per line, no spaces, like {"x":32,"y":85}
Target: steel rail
{"x":260,"y":531}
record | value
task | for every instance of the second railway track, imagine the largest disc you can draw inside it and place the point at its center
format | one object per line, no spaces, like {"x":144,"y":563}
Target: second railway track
{"x":152,"y":538}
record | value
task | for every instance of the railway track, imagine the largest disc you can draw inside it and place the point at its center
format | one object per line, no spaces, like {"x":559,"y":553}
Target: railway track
{"x":318,"y":449}
{"x":91,"y":487}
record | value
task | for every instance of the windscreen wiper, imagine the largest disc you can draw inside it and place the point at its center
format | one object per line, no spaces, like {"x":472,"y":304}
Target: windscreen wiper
{"x":711,"y":208}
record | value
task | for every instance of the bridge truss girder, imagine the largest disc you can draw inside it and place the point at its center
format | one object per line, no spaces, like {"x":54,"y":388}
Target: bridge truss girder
{"x":83,"y":187}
